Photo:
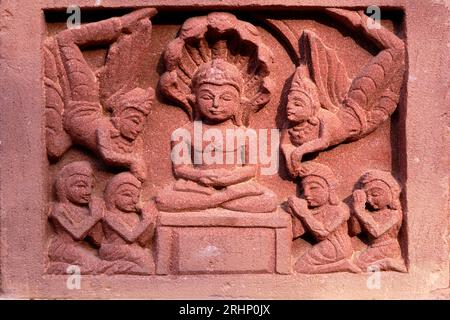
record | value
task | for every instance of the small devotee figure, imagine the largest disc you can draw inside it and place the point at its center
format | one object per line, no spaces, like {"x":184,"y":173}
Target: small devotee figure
{"x":325,"y":217}
{"x":128,"y":227}
{"x":378,"y":210}
{"x":76,"y":218}
{"x":217,"y":88}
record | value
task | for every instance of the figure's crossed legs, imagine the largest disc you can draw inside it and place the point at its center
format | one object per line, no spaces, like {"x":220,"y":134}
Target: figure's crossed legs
{"x":244,"y":197}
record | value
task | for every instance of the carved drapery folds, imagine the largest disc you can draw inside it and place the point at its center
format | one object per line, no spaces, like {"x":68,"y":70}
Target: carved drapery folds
{"x":219,"y":70}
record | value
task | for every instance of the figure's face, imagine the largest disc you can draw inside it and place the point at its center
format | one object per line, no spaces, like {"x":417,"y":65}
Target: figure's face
{"x":79,"y":189}
{"x":127,"y":198}
{"x":217,"y":103}
{"x":299,"y":107}
{"x":131,"y":123}
{"x":315,"y":190}
{"x":378,"y":195}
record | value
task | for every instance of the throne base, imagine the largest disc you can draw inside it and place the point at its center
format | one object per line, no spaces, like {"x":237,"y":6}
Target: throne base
{"x":219,"y":241}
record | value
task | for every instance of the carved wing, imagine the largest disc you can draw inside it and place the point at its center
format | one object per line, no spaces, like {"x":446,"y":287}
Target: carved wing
{"x":126,"y":59}
{"x":327,"y":71}
{"x":218,"y":35}
{"x":57,"y":139}
{"x":376,"y":89}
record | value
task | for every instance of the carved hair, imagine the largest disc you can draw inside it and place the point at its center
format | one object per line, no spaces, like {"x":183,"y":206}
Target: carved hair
{"x":389,"y":181}
{"x":217,"y":72}
{"x":322,"y":171}
{"x":82,"y":168}
{"x":115,"y":183}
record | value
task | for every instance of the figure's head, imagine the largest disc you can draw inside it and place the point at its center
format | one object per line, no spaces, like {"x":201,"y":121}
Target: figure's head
{"x":130,"y":110}
{"x":122,"y":193}
{"x":217,"y":89}
{"x":382,"y":190}
{"x":303,"y":98}
{"x":319,"y":184}
{"x":75,"y":182}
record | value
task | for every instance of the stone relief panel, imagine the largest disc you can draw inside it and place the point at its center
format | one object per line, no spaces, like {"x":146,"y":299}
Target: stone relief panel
{"x":158,"y":134}
{"x":78,"y":99}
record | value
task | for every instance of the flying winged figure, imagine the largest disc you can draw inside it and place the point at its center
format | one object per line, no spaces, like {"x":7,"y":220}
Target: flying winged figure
{"x":325,"y":107}
{"x":103,"y":110}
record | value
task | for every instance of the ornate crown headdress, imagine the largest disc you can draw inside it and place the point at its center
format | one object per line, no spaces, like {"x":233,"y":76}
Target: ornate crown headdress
{"x":301,"y":82}
{"x":201,"y":44}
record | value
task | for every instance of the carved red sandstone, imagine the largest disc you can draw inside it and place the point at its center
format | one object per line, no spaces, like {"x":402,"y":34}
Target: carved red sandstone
{"x":378,"y":213}
{"x":323,"y":215}
{"x":325,"y":107}
{"x":128,"y":228}
{"x":76,"y":218}
{"x":76,"y":98}
{"x":218,"y":36}
{"x":219,"y":71}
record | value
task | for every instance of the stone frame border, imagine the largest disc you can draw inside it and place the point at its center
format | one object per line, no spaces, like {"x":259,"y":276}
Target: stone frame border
{"x":23,"y":199}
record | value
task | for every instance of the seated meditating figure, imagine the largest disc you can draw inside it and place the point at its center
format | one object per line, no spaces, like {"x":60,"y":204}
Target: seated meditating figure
{"x":378,"y":210}
{"x":325,"y":217}
{"x":76,"y":218}
{"x":128,"y":228}
{"x":217,"y":88}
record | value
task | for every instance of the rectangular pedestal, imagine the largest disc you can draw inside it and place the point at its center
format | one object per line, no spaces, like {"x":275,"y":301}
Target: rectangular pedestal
{"x":220,"y":241}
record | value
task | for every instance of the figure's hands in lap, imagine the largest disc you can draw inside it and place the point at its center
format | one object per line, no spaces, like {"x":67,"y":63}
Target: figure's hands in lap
{"x":359,"y":199}
{"x":216,"y":178}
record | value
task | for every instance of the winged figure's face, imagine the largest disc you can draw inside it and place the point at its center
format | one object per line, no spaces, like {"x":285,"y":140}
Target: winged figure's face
{"x":127,"y":197}
{"x":79,"y":189}
{"x":315,"y":190}
{"x":217,"y":103}
{"x":299,"y":107}
{"x":378,"y":195}
{"x":131,"y":123}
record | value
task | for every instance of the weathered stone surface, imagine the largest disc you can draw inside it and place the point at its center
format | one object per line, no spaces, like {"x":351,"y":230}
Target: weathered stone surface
{"x":287,"y":151}
{"x":220,"y":242}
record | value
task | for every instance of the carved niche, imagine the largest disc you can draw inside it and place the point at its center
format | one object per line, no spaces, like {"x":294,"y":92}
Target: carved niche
{"x":142,"y":184}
